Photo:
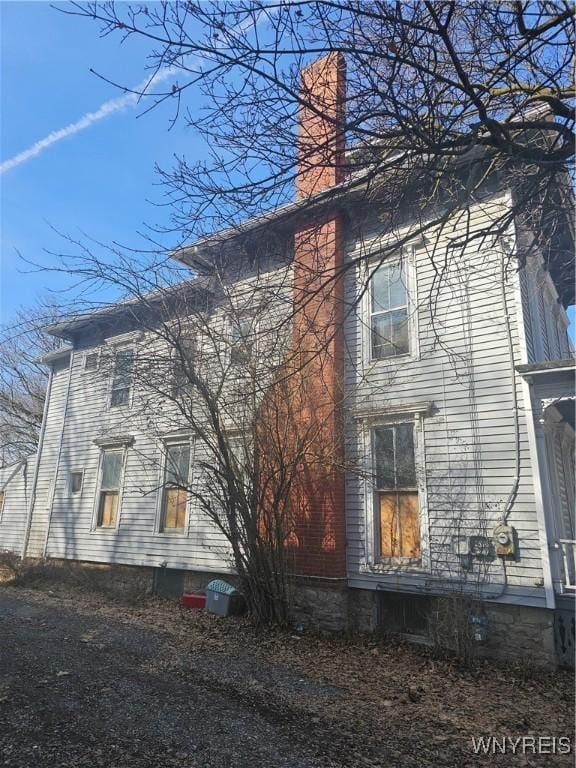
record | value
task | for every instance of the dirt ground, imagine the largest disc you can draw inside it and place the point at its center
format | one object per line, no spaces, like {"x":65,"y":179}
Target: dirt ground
{"x":86,"y":681}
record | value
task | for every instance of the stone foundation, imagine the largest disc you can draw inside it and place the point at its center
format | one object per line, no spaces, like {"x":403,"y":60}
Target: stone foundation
{"x":519,"y":634}
{"x":333,"y":608}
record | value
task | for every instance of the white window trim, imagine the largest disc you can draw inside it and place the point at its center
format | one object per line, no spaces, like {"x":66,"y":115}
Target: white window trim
{"x":165,"y":443}
{"x":128,"y":405}
{"x":71,"y":493}
{"x":372,"y":563}
{"x":112,"y":446}
{"x":408,"y":256}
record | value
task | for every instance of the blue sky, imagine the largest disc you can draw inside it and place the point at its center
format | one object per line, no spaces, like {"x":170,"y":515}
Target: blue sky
{"x":99,"y":181}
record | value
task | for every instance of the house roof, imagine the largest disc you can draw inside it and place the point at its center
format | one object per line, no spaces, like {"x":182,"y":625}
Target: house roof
{"x":559,"y":257}
{"x":55,"y":354}
{"x":72,"y":325}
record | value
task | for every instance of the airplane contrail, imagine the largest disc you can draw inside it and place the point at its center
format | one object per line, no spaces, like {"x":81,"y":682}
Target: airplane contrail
{"x":105,"y":110}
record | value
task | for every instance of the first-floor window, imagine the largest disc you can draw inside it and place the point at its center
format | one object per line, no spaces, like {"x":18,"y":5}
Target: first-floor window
{"x":175,"y":491}
{"x":396,"y":491}
{"x":110,"y":474}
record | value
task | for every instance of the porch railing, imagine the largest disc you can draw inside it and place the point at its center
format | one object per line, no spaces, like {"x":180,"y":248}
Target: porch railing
{"x":568,"y":553}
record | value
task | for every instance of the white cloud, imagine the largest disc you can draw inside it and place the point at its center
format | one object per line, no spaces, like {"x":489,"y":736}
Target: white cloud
{"x":105,"y":110}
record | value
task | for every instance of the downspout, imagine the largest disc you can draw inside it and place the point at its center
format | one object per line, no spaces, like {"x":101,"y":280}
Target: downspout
{"x":37,"y":465}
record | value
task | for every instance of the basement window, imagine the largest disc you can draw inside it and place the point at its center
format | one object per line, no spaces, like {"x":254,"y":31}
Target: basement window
{"x":396,"y":493}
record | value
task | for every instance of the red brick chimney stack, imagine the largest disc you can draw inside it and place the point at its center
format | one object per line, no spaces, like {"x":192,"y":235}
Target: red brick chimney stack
{"x":318,"y":336}
{"x":321,"y":147}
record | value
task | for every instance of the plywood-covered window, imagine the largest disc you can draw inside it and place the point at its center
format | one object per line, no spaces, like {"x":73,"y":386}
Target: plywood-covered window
{"x":1,"y":502}
{"x":389,"y":327}
{"x":122,"y":380}
{"x":397,"y":502}
{"x":175,"y":491}
{"x":109,"y":494}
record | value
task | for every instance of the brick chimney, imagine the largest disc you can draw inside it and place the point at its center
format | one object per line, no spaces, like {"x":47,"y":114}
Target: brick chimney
{"x":318,"y":338}
{"x":321,"y":121}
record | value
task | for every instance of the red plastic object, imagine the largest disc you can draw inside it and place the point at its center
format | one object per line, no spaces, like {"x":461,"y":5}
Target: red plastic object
{"x":196,"y":602}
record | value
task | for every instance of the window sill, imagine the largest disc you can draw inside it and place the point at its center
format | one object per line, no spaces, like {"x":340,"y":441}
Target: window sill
{"x":389,"y":362}
{"x":179,"y":533}
{"x":394,"y":566}
{"x":104,"y":529}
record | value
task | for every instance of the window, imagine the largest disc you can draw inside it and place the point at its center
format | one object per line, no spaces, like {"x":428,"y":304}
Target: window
{"x":2,"y":494}
{"x":242,"y":339}
{"x":91,"y":361}
{"x":242,"y":455}
{"x":183,"y":356}
{"x":76,"y":481}
{"x":175,"y":491}
{"x":110,"y":473}
{"x":122,"y":381}
{"x":396,"y":488}
{"x":388,"y":312}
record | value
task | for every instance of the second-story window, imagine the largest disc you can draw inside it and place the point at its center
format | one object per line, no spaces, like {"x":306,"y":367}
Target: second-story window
{"x":182,"y":360}
{"x":389,"y":336}
{"x":122,"y":381}
{"x":242,"y":339}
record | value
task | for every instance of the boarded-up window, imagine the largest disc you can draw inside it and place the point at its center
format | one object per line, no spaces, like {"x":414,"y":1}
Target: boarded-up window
{"x":175,"y":492}
{"x":388,"y":312}
{"x":122,"y":381}
{"x":1,"y":501}
{"x":396,"y":491}
{"x":111,"y":471}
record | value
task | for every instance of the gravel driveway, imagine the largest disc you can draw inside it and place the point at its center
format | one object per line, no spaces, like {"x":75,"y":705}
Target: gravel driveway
{"x":87,"y":683}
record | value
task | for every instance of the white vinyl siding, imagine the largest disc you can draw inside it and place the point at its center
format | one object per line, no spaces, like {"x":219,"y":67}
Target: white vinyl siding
{"x":464,"y":368}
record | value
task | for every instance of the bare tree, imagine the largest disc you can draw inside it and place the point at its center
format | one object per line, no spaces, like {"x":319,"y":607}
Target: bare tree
{"x":441,"y":96}
{"x":211,"y":361}
{"x":23,"y":379}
